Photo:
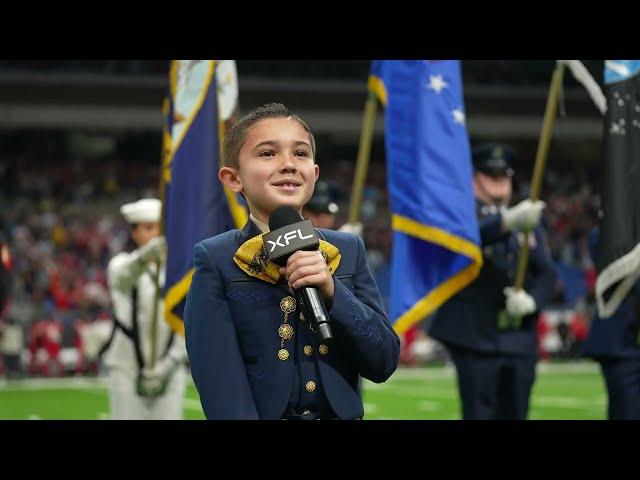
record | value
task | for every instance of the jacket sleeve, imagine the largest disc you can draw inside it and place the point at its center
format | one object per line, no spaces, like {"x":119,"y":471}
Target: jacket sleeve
{"x":491,"y":229}
{"x":361,"y":326}
{"x":542,"y":285}
{"x":212,"y":344}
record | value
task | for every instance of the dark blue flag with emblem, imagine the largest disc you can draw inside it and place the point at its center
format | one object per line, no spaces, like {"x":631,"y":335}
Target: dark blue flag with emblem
{"x":618,"y":254}
{"x":436,"y":239}
{"x":196,"y":205}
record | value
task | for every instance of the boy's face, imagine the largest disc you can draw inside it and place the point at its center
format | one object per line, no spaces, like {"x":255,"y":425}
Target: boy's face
{"x":276,"y":167}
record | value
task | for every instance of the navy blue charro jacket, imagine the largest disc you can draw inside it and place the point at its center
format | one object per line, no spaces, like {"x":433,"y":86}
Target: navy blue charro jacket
{"x":231,"y":327}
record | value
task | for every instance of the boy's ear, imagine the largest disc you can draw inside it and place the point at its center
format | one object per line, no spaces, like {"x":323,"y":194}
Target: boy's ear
{"x":229,"y":177}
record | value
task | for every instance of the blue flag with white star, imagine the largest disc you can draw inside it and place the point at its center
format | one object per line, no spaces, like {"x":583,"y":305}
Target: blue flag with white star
{"x":618,"y":253}
{"x":436,"y":239}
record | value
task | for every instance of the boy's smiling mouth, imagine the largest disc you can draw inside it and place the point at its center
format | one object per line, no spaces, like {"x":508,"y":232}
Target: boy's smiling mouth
{"x":287,"y":185}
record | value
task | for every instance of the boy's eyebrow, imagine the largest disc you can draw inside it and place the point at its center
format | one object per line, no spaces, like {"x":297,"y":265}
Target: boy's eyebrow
{"x":302,"y":142}
{"x":266,"y":143}
{"x":275,"y":143}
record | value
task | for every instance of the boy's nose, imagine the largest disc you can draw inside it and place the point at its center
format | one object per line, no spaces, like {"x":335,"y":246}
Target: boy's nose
{"x":288,"y":165}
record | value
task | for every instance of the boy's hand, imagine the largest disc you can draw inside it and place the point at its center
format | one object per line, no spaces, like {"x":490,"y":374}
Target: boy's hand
{"x":309,"y":269}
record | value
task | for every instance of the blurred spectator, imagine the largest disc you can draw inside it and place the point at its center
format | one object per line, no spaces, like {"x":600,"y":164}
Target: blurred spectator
{"x":5,"y":268}
{"x":39,"y":347}
{"x":11,"y":345}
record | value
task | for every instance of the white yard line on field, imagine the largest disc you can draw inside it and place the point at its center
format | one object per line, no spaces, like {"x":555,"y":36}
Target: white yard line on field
{"x":448,"y":371}
{"x":569,"y":402}
{"x":394,"y":383}
{"x":370,"y":408}
{"x":427,"y":406}
{"x":191,"y":404}
{"x":77,"y":383}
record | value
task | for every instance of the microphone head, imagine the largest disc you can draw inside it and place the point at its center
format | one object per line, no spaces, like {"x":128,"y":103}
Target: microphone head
{"x":283,"y":216}
{"x":289,"y":233}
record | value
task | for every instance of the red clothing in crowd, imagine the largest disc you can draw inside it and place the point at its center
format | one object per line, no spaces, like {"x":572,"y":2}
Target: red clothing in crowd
{"x":45,"y":344}
{"x":579,"y":327}
{"x":542,"y":330}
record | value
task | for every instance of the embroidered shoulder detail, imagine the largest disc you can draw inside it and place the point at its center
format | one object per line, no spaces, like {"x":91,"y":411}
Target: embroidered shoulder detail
{"x":259,"y":262}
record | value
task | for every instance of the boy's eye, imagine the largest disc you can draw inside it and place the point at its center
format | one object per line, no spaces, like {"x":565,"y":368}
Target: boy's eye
{"x":266,"y":153}
{"x":302,"y":153}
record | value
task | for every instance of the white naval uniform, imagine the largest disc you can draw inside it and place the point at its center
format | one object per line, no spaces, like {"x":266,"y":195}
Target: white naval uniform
{"x":126,"y":271}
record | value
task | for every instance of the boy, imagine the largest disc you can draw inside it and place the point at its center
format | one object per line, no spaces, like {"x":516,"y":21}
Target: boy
{"x":253,"y":354}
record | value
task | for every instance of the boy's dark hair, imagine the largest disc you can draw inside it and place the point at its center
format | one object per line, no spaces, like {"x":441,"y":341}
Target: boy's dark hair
{"x":238,"y":133}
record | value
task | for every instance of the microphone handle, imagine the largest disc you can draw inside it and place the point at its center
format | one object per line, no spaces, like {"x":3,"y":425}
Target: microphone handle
{"x":316,"y":309}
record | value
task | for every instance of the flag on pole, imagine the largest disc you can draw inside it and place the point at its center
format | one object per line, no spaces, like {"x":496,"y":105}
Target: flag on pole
{"x":436,"y":240}
{"x":196,"y":205}
{"x":618,"y":254}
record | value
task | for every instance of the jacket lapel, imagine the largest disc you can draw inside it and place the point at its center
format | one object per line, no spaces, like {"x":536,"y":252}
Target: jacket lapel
{"x":249,"y":231}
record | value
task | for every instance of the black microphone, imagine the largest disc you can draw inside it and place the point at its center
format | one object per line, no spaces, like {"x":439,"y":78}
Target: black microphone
{"x":290,"y":233}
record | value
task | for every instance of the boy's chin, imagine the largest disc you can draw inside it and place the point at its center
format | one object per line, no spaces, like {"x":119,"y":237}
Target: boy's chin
{"x":287,"y":202}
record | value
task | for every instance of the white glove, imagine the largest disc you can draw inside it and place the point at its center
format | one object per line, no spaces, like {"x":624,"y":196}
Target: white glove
{"x":163,"y":368}
{"x":524,"y":216}
{"x":519,"y":303}
{"x":153,"y":381}
{"x":154,"y":250}
{"x":355,"y":228}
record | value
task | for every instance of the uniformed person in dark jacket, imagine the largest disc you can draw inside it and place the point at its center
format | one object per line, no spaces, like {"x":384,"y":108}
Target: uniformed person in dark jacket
{"x":489,"y":328}
{"x":322,"y":208}
{"x":614,"y":343}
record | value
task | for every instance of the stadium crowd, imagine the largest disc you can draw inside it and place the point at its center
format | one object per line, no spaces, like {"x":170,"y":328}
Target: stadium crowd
{"x":61,"y":221}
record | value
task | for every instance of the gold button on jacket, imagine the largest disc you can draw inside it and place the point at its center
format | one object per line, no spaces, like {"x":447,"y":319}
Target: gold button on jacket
{"x":283,"y":354}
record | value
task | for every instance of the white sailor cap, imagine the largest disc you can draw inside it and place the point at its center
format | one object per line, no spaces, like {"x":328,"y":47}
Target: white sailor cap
{"x":146,"y":210}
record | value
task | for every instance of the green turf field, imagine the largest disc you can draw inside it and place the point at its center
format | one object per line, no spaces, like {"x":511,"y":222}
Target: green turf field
{"x":562,"y":391}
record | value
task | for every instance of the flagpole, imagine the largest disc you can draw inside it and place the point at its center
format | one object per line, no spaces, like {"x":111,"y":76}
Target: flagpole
{"x":541,"y":161}
{"x":156,"y":278}
{"x":364,"y":153}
